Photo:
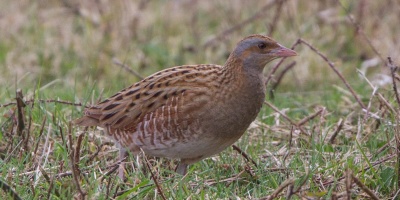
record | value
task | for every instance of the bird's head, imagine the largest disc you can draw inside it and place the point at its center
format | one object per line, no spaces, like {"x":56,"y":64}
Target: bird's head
{"x":256,"y":51}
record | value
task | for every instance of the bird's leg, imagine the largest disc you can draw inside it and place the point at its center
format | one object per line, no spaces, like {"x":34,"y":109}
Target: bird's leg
{"x":121,"y":170}
{"x":181,"y":168}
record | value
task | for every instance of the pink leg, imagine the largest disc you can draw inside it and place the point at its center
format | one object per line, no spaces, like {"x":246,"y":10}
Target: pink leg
{"x":181,"y":168}
{"x":121,"y":170}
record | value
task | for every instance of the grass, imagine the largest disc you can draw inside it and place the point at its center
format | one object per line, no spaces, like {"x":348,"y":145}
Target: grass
{"x":64,"y":52}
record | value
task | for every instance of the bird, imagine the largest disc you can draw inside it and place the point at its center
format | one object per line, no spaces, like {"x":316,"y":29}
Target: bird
{"x":189,"y":112}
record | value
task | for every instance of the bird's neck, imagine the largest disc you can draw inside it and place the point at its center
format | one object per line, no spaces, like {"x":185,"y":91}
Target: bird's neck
{"x":237,"y":64}
{"x":232,"y":70}
{"x":242,"y":71}
{"x":239,"y":98}
{"x":243,"y":78}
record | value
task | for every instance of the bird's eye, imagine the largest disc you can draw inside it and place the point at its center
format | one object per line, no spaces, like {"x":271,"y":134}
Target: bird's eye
{"x":262,"y":45}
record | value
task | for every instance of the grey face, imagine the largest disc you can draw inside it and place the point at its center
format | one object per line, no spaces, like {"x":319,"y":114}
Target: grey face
{"x":256,"y":51}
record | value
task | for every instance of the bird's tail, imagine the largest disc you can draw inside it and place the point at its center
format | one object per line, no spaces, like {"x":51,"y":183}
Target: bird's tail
{"x":86,"y":121}
{"x":91,"y":117}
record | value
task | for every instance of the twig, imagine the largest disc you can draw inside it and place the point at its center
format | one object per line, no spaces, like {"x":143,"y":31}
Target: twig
{"x":127,"y":68}
{"x":241,"y":152}
{"x":348,"y":184}
{"x":310,"y":117}
{"x":50,"y":181}
{"x":64,"y":174}
{"x":32,"y":189}
{"x":98,"y":151}
{"x":31,"y":101}
{"x":290,"y":192}
{"x":364,"y":188}
{"x":160,"y":191}
{"x":384,"y":147}
{"x":110,"y":184}
{"x":278,"y":190}
{"x":236,"y":178}
{"x":223,"y":34}
{"x":377,"y":163}
{"x":386,"y":103}
{"x":279,"y":78}
{"x":249,"y":170}
{"x":78,"y":151}
{"x":62,"y":135}
{"x":335,"y":70}
{"x":20,"y":108}
{"x":289,"y":146}
{"x":338,"y":129}
{"x":285,"y":116}
{"x":28,"y":132}
{"x":110,"y":172}
{"x":393,"y":69}
{"x":113,"y":167}
{"x":74,"y":163}
{"x":7,"y":189}
{"x":7,"y":104}
{"x":396,"y":136}
{"x":302,"y":183}
{"x":40,"y":135}
{"x":45,"y":175}
{"x":51,"y":185}
{"x":281,"y":113}
{"x":396,"y":195}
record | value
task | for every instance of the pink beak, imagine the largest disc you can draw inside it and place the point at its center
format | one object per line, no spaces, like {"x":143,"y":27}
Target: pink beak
{"x":282,"y":51}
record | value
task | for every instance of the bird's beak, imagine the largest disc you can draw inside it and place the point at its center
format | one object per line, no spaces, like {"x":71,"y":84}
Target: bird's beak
{"x":282,"y":51}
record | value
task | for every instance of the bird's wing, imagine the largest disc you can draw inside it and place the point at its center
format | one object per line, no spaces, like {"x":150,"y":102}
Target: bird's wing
{"x":187,"y":87}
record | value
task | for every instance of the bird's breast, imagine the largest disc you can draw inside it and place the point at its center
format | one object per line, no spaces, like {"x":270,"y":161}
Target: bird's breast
{"x":235,"y":109}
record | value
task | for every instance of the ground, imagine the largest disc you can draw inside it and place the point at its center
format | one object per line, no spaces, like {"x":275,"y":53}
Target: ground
{"x":328,"y":129}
